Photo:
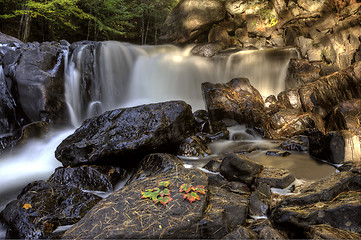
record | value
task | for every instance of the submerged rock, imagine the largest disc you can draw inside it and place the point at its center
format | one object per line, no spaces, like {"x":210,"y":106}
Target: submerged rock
{"x":123,"y":137}
{"x":43,"y":206}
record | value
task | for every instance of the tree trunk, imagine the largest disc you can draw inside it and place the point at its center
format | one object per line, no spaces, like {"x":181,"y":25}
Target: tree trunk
{"x":24,"y":28}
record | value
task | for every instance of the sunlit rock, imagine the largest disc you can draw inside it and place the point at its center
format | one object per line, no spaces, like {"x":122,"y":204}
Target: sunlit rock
{"x":191,"y":19}
{"x":237,"y":100}
{"x":122,"y":137}
{"x":336,"y":147}
{"x":346,"y":116}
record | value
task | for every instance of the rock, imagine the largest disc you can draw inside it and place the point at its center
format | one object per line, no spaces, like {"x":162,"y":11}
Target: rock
{"x":237,"y":187}
{"x":276,"y":178}
{"x":91,"y":178}
{"x":226,"y":211}
{"x":241,"y":233}
{"x":6,"y":39}
{"x":277,"y":153}
{"x":290,"y":122}
{"x":290,"y":99}
{"x":342,"y":212}
{"x":125,"y":214}
{"x":39,"y":79}
{"x":236,"y":167}
{"x":270,"y":233}
{"x":201,"y":117}
{"x":190,"y":19}
{"x":9,"y":121}
{"x":331,"y":90}
{"x":193,"y":147}
{"x":271,"y":104}
{"x":124,"y":136}
{"x":300,"y":72}
{"x":43,"y":206}
{"x":325,"y":231}
{"x":336,"y":147}
{"x":207,"y":50}
{"x":260,"y":200}
{"x":297,"y":143}
{"x":213,"y":165}
{"x":323,"y":190}
{"x":346,"y":116}
{"x":237,"y":100}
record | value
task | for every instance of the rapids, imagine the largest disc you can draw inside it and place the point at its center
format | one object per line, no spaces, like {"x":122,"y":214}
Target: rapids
{"x":115,"y":74}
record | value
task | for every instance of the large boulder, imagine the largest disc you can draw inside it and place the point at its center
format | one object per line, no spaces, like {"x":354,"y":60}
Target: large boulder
{"x":124,"y":136}
{"x":346,"y":116}
{"x":39,"y":79}
{"x":126,"y":214}
{"x":43,"y":206}
{"x":237,"y":100}
{"x":191,"y":20}
{"x":336,"y":147}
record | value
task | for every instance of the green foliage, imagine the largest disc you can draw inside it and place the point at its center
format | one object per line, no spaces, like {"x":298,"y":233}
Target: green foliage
{"x":76,"y":20}
{"x":159,"y":194}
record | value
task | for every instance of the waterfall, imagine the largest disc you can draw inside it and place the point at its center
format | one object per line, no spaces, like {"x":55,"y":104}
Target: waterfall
{"x":124,"y":75}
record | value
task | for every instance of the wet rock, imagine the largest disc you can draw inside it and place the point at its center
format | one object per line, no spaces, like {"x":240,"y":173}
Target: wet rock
{"x":346,"y":116}
{"x":207,"y":50}
{"x":237,"y":100}
{"x":201,"y":118}
{"x":336,"y":147}
{"x":290,"y":99}
{"x":189,"y":20}
{"x":124,"y":136}
{"x":260,"y":200}
{"x":290,"y":122}
{"x":6,"y":39}
{"x":342,"y":212}
{"x":43,"y":206}
{"x":297,"y":143}
{"x":277,"y":153}
{"x":325,"y":231}
{"x":236,"y":167}
{"x":93,"y":178}
{"x":241,"y":233}
{"x":213,"y":137}
{"x":193,"y":147}
{"x":237,"y":187}
{"x":33,"y":130}
{"x":125,"y":214}
{"x":154,"y":164}
{"x":276,"y":178}
{"x":226,"y":211}
{"x":213,"y":165}
{"x":270,"y":233}
{"x":300,"y":72}
{"x":324,"y":190}
{"x":271,"y":104}
{"x":39,"y":79}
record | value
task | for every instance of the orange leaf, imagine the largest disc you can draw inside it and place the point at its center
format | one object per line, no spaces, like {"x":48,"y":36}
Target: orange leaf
{"x":27,"y":206}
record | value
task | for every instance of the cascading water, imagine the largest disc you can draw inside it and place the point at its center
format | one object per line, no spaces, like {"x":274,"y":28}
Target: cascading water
{"x":104,"y":76}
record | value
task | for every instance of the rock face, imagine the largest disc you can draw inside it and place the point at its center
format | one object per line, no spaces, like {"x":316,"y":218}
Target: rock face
{"x":43,"y":206}
{"x":190,"y":19}
{"x":124,"y":135}
{"x":237,"y":100}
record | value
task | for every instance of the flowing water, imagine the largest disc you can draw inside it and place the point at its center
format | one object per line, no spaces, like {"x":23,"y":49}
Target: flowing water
{"x":116,"y":74}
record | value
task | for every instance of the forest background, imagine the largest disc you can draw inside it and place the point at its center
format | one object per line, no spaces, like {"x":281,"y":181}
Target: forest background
{"x":135,"y":21}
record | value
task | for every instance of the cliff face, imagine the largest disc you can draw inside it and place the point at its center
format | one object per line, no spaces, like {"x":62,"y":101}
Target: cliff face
{"x":326,"y":31}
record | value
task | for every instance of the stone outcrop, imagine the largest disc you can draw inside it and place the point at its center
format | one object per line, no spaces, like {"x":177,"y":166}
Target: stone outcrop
{"x":237,"y":100}
{"x":122,"y":137}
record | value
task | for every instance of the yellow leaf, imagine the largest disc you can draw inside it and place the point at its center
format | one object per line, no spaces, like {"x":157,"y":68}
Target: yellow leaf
{"x":27,"y":206}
